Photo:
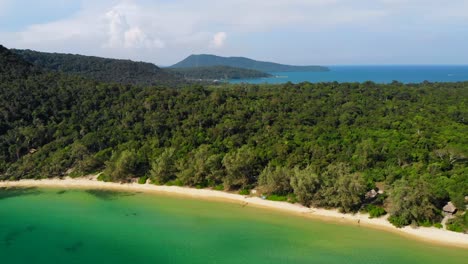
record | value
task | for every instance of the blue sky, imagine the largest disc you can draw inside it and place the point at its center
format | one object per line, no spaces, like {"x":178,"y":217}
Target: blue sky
{"x":326,"y":32}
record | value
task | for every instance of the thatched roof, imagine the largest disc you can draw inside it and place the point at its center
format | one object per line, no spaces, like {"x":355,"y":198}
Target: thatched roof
{"x":449,"y":208}
{"x":371,"y":194}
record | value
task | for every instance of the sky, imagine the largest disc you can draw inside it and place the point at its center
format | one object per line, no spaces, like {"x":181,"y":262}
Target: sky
{"x":301,"y":32}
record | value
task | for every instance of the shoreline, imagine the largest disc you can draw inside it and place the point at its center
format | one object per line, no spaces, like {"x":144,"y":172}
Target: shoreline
{"x":427,"y":234}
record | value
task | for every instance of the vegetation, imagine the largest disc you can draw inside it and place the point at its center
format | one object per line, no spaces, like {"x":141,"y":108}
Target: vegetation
{"x":374,"y":211}
{"x":459,"y":223}
{"x":101,"y":69}
{"x":194,"y":61}
{"x":324,"y":144}
{"x":218,"y":73}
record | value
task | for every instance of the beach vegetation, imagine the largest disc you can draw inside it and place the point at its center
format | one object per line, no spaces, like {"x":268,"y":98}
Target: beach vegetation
{"x":326,"y":144}
{"x":374,"y":211}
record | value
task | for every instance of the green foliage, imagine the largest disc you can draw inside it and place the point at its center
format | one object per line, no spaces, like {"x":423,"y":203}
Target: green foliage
{"x":122,"y":166}
{"x":398,"y":221}
{"x":241,"y":166}
{"x":438,"y":225}
{"x":275,"y":197}
{"x":275,"y":180}
{"x":163,"y":168}
{"x":305,"y":184}
{"x":219,"y":187}
{"x":459,"y":223}
{"x":175,"y":182}
{"x":374,"y":211}
{"x":239,"y":62}
{"x":101,"y":69}
{"x":341,"y":188}
{"x":244,"y":192}
{"x":411,"y":202}
{"x":142,"y":180}
{"x":325,"y":143}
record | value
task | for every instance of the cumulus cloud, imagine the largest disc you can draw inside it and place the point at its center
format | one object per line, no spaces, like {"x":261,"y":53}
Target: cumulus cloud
{"x":121,"y":34}
{"x":165,"y":31}
{"x":219,"y":39}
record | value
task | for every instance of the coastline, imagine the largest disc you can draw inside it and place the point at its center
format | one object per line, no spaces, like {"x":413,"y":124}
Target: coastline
{"x":431,"y":234}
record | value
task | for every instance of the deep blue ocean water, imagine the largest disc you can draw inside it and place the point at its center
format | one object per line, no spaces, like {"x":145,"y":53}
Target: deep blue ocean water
{"x":378,"y":74}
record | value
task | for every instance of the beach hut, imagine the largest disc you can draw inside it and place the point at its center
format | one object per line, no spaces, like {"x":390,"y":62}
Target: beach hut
{"x":371,"y":194}
{"x":449,"y":209}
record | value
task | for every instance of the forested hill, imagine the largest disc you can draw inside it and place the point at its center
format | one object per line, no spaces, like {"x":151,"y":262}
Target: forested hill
{"x":12,"y":65}
{"x":324,"y":144}
{"x":218,"y":73}
{"x":240,"y":62}
{"x":102,"y":69}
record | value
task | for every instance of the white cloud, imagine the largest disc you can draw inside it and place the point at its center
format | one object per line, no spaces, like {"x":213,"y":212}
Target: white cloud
{"x":164,"y":31}
{"x":219,"y":39}
{"x":121,"y":34}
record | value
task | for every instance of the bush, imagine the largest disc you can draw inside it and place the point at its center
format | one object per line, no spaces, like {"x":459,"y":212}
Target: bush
{"x":103,"y":177}
{"x":455,"y":227}
{"x":438,"y":225}
{"x":458,"y":224}
{"x":219,"y":187}
{"x":278,"y":198}
{"x":244,"y":192}
{"x":142,"y":180}
{"x":425,"y":223}
{"x":374,"y":211}
{"x":175,"y":182}
{"x":398,"y":221}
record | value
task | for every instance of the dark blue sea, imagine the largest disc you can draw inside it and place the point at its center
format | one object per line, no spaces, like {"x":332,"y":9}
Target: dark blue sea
{"x":378,"y":74}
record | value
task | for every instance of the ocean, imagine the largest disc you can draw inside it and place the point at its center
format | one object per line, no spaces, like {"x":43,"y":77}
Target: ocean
{"x":95,"y":226}
{"x":378,"y":74}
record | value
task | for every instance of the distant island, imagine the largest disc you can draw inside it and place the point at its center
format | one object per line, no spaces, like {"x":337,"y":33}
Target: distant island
{"x":205,"y":60}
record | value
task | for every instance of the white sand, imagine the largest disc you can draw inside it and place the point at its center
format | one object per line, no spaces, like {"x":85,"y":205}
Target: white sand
{"x":427,"y":234}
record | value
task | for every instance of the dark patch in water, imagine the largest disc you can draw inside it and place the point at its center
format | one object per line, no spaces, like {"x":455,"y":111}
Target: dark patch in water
{"x":10,"y":192}
{"x":74,"y":247}
{"x":108,"y":194}
{"x":30,"y":228}
{"x":61,"y":192}
{"x":11,"y":236}
{"x":131,"y":214}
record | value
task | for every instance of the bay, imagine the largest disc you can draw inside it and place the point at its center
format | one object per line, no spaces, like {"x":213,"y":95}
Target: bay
{"x":100,"y":226}
{"x":378,"y":74}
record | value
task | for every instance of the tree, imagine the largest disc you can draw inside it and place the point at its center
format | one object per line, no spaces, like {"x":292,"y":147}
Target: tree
{"x":241,"y":167}
{"x":305,"y":184}
{"x":275,"y":180}
{"x":163,"y":168}
{"x":410,"y":202}
{"x":198,"y":167}
{"x":341,"y":188}
{"x":122,"y":166}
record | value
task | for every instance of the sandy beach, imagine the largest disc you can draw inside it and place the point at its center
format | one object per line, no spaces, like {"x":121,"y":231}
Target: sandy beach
{"x":432,"y":234}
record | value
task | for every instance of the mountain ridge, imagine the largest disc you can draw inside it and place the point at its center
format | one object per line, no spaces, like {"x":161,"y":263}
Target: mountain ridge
{"x":206,"y":60}
{"x":100,"y":69}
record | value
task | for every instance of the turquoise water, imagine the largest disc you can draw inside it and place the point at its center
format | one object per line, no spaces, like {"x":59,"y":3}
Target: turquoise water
{"x":56,"y":226}
{"x":378,"y":74}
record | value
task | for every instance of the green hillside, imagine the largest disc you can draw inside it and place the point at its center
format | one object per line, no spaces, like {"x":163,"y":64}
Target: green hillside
{"x":240,"y":62}
{"x":324,"y":144}
{"x":101,"y":69}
